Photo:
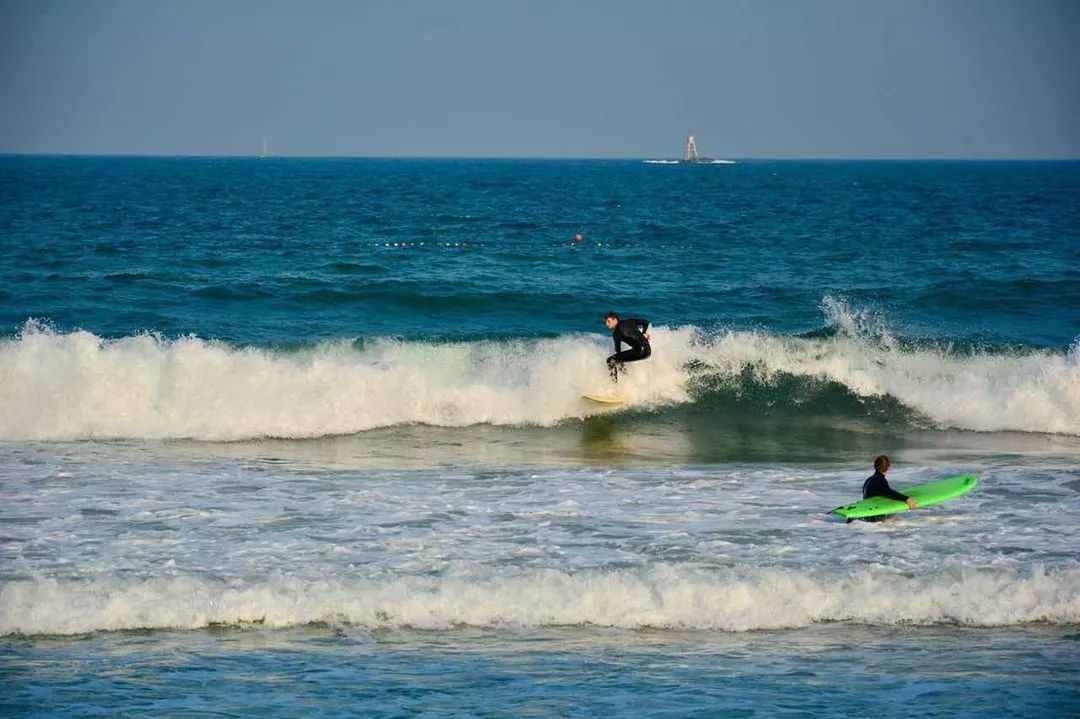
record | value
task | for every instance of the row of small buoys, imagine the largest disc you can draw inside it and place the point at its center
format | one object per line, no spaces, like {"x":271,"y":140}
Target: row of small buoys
{"x":578,"y":239}
{"x":410,"y":245}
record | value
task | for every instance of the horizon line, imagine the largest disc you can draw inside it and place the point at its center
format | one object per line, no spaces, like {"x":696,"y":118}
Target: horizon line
{"x":748,"y":158}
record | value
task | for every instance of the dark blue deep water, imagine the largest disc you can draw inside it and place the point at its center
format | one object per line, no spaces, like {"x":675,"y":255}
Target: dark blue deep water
{"x":306,"y":437}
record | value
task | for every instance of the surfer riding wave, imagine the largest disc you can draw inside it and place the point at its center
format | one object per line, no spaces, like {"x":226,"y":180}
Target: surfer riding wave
{"x":631,"y":331}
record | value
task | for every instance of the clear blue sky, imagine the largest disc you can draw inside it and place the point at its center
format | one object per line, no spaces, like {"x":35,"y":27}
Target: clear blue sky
{"x":574,"y":78}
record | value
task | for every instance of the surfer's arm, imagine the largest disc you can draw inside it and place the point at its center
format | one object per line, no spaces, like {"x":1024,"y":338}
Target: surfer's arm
{"x":878,"y":486}
{"x":643,"y":327}
{"x":893,"y":494}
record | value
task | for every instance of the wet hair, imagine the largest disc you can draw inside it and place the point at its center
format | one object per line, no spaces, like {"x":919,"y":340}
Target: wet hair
{"x":611,"y":316}
{"x":882,"y":464}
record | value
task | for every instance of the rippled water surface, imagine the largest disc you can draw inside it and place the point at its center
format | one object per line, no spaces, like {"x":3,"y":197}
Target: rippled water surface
{"x":306,"y":437}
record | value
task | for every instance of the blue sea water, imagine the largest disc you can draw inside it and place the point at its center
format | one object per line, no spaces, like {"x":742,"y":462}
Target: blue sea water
{"x":306,"y":436}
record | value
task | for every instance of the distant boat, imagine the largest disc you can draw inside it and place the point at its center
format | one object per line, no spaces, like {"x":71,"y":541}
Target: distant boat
{"x":265,"y":149}
{"x":691,"y":157}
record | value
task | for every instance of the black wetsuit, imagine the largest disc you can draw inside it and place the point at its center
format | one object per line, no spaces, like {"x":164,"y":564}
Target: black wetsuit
{"x":877,"y":486}
{"x":632,"y":332}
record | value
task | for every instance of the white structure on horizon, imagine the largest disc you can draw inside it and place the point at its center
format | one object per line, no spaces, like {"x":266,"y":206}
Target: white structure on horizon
{"x":691,"y":154}
{"x":265,"y":149}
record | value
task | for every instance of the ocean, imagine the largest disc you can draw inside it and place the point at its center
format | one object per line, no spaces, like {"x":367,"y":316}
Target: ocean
{"x":304,"y":437}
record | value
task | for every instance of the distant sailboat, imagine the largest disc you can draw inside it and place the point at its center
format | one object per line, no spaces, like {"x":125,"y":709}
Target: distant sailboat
{"x":265,"y":149}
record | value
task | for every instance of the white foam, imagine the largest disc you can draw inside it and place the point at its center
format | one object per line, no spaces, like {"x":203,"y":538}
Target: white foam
{"x":665,"y":597}
{"x":77,"y":386}
{"x":56,"y":386}
{"x":1035,"y":391}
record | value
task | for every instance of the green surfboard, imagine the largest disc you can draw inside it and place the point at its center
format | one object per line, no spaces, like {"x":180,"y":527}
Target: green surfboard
{"x":925,"y":494}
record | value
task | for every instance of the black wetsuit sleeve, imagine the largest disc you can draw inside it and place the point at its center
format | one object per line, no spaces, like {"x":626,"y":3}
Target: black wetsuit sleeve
{"x":893,"y":494}
{"x":878,"y":486}
{"x":631,"y":332}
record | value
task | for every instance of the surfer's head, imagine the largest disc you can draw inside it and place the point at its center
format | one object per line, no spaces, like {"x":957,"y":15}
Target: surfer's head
{"x":611,"y":319}
{"x":881,"y":464}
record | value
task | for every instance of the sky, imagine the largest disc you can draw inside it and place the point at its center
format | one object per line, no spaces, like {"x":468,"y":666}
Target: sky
{"x":542,"y":78}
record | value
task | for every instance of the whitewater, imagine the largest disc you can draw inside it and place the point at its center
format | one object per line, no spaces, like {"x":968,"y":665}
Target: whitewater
{"x":197,"y":542}
{"x":663,"y":598}
{"x":66,"y":386}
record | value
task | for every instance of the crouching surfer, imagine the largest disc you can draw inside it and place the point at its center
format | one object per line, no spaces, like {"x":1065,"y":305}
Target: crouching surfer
{"x":634,"y":333}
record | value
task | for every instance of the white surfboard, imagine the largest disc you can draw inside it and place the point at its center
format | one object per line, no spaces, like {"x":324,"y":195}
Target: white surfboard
{"x":607,"y":398}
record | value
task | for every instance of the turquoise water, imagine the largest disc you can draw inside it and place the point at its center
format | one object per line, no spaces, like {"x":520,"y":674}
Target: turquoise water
{"x":306,"y":436}
{"x":293,"y":251}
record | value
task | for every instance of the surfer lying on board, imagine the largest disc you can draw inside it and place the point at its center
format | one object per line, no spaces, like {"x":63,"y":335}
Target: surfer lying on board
{"x":877,"y":486}
{"x":633,"y":332}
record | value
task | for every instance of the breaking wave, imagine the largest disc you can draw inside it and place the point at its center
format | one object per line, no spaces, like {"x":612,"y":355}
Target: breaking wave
{"x":76,"y":385}
{"x":666,"y":597}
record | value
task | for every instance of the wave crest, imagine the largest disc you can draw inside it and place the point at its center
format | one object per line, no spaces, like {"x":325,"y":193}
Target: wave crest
{"x":60,"y":386}
{"x":666,"y":597}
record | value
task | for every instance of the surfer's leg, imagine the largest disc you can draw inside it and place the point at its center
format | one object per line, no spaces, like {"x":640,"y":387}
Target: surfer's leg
{"x":615,"y":362}
{"x":634,"y":354}
{"x":613,"y":365}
